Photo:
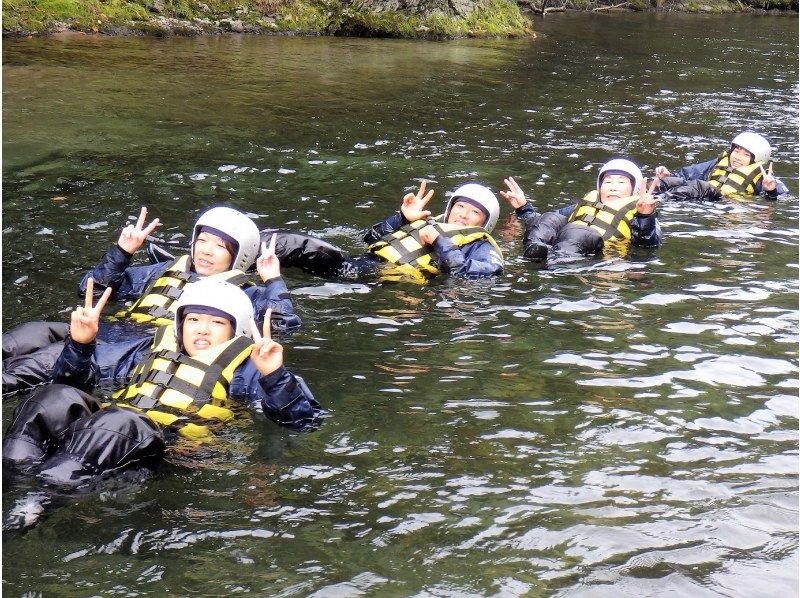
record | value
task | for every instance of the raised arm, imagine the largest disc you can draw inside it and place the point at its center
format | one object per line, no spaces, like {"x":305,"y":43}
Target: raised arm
{"x":645,"y":230}
{"x":412,"y":209}
{"x":75,"y":365}
{"x":515,"y":195}
{"x":113,"y":270}
{"x":271,"y":389}
{"x":273,"y":294}
{"x":771,"y":186}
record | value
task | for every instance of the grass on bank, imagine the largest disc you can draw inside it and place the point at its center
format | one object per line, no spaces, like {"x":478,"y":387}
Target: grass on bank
{"x":37,"y":15}
{"x":497,"y":18}
{"x":332,"y":17}
{"x":323,"y":17}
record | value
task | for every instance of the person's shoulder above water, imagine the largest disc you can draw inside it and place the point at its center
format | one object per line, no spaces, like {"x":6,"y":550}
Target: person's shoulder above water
{"x":449,"y":243}
{"x":745,"y":167}
{"x":620,"y":210}
{"x":210,"y":340}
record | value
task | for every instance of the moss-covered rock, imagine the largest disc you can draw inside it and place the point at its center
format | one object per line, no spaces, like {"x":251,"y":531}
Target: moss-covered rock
{"x":375,"y":18}
{"x":395,"y":18}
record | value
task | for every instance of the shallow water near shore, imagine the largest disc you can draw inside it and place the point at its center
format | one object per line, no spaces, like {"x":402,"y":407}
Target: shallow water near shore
{"x":593,"y":428}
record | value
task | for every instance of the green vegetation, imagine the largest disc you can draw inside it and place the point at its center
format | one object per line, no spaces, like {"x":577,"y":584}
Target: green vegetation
{"x":498,"y":18}
{"x":315,"y":17}
{"x":708,"y":6}
{"x":38,"y":15}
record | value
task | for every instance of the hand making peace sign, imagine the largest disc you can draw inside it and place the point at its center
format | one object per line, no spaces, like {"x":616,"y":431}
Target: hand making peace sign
{"x":515,"y":195}
{"x":413,"y":207}
{"x":85,"y":320}
{"x":769,"y":182}
{"x":647,"y":203}
{"x":267,"y":355}
{"x":267,"y":264}
{"x":133,"y":236}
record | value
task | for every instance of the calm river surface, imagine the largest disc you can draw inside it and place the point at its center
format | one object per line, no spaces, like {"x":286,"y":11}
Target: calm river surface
{"x":621,"y":427}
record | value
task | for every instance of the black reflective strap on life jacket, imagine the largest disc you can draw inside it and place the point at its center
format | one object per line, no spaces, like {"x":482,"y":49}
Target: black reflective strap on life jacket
{"x":172,"y":292}
{"x":610,"y":229}
{"x":156,"y":312}
{"x":159,"y":378}
{"x":166,"y":379}
{"x":397,"y":242}
{"x":406,"y":256}
{"x":467,"y":231}
{"x":168,"y":290}
{"x":143,"y":401}
{"x":614,"y":225}
{"x":182,"y":275}
{"x":750,"y":179}
{"x":412,"y":255}
{"x":214,"y":372}
{"x":144,"y":366}
{"x":724,"y":178}
{"x":590,"y":218}
{"x":747,"y":181}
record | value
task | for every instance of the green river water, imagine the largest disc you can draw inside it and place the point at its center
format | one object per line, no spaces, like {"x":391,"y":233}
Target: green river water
{"x":618,"y":427}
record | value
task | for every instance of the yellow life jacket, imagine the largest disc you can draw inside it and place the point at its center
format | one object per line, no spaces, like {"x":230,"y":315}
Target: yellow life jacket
{"x":730,"y":180}
{"x":412,"y":258}
{"x":157,"y":304}
{"x":172,"y":388}
{"x":612,"y":223}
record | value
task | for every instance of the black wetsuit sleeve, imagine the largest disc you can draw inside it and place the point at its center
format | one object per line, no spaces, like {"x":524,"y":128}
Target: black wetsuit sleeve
{"x":280,"y":396}
{"x":383,"y":228}
{"x":779,"y":190}
{"x":474,"y":260}
{"x":76,"y":366}
{"x":525,"y":211}
{"x":288,"y":400}
{"x":114,"y":270}
{"x":645,"y":231}
{"x":110,"y":272}
{"x":274,"y":294}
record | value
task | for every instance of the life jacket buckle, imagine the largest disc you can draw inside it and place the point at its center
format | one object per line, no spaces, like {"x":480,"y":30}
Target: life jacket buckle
{"x":143,"y":402}
{"x":159,"y":378}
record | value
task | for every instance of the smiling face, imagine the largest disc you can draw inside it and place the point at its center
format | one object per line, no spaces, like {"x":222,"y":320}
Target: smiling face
{"x":203,"y":331}
{"x":210,"y":254}
{"x":464,"y":213}
{"x":615,"y":186}
{"x":740,"y":157}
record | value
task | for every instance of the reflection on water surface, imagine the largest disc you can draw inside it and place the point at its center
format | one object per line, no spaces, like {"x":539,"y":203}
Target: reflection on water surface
{"x":599,"y":427}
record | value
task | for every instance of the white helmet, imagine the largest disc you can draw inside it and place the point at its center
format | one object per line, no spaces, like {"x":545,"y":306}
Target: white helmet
{"x":235,"y":226}
{"x":755,"y":144}
{"x":621,"y":166}
{"x":214,"y":296}
{"x":480,"y":196}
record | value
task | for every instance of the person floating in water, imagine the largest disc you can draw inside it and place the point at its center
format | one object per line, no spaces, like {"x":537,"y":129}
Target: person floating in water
{"x":224,"y":245}
{"x":182,"y":382}
{"x":613,"y":215}
{"x":744,"y":168}
{"x":411,"y":244}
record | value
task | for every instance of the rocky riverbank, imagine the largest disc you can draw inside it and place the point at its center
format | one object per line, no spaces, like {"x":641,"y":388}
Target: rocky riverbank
{"x":374,"y":18}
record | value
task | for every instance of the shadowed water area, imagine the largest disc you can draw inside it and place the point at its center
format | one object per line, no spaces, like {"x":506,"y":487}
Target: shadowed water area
{"x":601,"y":427}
